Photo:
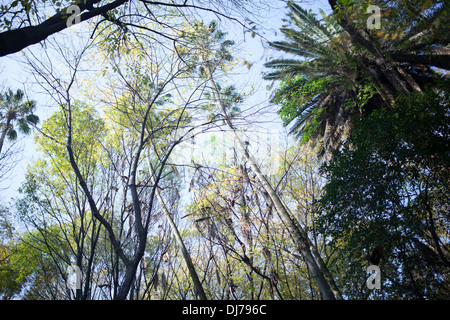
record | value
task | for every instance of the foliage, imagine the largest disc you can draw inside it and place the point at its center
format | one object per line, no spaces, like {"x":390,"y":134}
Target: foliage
{"x":298,"y":97}
{"x":87,"y":130}
{"x":400,"y":20}
{"x":14,"y":110}
{"x":205,"y":44}
{"x":62,"y":231}
{"x":396,"y":166}
{"x":11,"y":12}
{"x":108,"y":194}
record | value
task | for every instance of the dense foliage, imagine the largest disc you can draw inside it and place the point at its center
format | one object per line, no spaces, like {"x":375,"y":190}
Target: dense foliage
{"x":388,"y":186}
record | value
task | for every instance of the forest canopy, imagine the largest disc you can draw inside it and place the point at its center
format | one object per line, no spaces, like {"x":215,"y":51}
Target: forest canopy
{"x":172,"y":163}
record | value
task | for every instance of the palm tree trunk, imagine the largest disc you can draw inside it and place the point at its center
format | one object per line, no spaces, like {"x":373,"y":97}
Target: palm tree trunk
{"x":439,"y":58}
{"x":5,"y":130}
{"x":299,"y":235}
{"x":384,"y":66}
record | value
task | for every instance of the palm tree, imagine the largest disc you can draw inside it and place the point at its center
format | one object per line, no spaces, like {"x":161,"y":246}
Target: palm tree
{"x":339,"y":69}
{"x":319,"y":82}
{"x":15,"y":114}
{"x":403,"y":53}
{"x":310,"y":40}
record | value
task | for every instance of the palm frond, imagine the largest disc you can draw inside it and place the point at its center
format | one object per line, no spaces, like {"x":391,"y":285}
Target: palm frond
{"x":308,"y":23}
{"x":23,"y":126}
{"x":293,"y":48}
{"x":316,"y":68}
{"x":306,"y":93}
{"x":11,"y":134}
{"x":332,"y":26}
{"x":303,"y":38}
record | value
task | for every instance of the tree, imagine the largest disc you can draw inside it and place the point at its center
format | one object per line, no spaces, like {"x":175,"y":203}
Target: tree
{"x":133,"y":157}
{"x":250,"y":253}
{"x":161,"y":123}
{"x":213,"y":55}
{"x":416,"y":37}
{"x":396,"y":166}
{"x":13,"y":275}
{"x":14,"y":111}
{"x":346,"y":71}
{"x":54,"y":208}
{"x":187,"y":257}
{"x":321,"y":86}
{"x":158,"y":119}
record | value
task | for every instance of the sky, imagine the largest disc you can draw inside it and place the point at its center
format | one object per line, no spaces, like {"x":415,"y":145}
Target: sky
{"x":14,"y":74}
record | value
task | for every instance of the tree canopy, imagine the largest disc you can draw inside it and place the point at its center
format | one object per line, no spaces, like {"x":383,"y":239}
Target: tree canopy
{"x":157,"y":176}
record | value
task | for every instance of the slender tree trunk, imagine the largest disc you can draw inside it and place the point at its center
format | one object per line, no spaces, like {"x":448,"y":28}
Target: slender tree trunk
{"x":197,"y":283}
{"x":299,"y":235}
{"x":5,"y":130}
{"x":131,"y":265}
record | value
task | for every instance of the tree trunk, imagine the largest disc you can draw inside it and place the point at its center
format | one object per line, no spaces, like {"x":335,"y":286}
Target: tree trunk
{"x":439,"y":58}
{"x":197,"y":283}
{"x":5,"y":130}
{"x":384,"y":66}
